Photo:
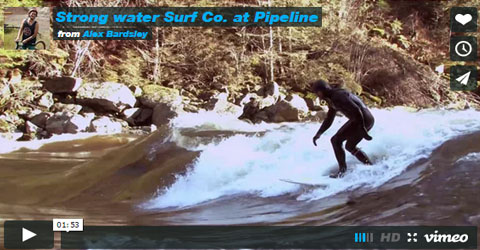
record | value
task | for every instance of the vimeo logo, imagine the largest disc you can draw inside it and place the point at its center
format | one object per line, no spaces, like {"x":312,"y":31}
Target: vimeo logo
{"x":435,"y":237}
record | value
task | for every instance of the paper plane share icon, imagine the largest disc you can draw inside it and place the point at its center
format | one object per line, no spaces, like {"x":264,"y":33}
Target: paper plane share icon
{"x":463,"y":79}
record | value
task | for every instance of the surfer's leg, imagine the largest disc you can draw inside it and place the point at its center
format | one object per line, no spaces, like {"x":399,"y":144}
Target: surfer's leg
{"x":337,"y":143}
{"x":351,"y":146}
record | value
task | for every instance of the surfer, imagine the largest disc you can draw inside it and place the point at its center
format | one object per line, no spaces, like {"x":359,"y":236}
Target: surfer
{"x":360,"y":121}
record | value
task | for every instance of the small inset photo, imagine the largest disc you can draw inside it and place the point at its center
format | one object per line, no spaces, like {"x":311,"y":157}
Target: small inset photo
{"x":26,"y":28}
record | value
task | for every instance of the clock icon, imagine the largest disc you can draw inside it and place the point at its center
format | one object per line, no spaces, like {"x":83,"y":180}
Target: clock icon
{"x":463,"y":48}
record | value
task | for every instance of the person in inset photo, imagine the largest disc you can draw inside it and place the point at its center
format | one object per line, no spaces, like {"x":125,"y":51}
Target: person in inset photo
{"x":27,"y":34}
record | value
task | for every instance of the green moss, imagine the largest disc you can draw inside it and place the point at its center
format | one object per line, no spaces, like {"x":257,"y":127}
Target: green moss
{"x":158,"y":93}
{"x":12,"y":58}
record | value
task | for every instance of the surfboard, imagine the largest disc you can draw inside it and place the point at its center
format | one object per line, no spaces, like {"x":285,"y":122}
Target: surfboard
{"x":305,"y":185}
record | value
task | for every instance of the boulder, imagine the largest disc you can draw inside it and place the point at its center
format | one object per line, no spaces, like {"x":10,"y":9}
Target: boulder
{"x":70,"y":108}
{"x":163,"y":113}
{"x":137,"y":91}
{"x":155,"y":94}
{"x":249,"y":98}
{"x":313,"y":102}
{"x":107,"y":125}
{"x":106,"y":96}
{"x":31,"y":130}
{"x":317,"y":116}
{"x":131,"y":114}
{"x":144,"y":117}
{"x":40,"y":120}
{"x":262,"y":102}
{"x":28,"y":113}
{"x":220,"y":105}
{"x":298,"y":102}
{"x":46,"y":100}
{"x":138,"y":116}
{"x":62,"y":84}
{"x":250,"y":110}
{"x":61,"y":123}
{"x":283,"y":111}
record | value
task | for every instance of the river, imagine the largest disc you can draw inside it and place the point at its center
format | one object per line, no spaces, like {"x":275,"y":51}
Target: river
{"x":209,"y":169}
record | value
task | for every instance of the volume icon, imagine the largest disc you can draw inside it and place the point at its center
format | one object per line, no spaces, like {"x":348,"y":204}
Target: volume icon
{"x":363,"y":237}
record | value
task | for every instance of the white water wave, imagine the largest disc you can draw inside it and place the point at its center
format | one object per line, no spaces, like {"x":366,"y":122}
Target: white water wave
{"x":255,"y":164}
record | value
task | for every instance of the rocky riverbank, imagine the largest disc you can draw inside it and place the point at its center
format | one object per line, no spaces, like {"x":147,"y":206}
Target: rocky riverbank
{"x":66,"y":105}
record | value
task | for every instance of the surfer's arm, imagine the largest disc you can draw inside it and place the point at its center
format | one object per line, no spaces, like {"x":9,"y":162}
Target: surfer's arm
{"x":327,"y":122}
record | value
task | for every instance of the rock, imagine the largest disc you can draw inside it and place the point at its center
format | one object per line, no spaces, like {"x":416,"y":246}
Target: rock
{"x":40,"y":120}
{"x":86,"y":109}
{"x":250,"y":110}
{"x":221,"y":105}
{"x":106,"y":125}
{"x":106,"y":96}
{"x":29,"y":113}
{"x":298,"y":102}
{"x":269,"y":110}
{"x":32,"y":130}
{"x":70,"y":108}
{"x":317,"y":116}
{"x":313,"y":102}
{"x":62,"y":84}
{"x":283,"y":111}
{"x":138,"y":116}
{"x":214,"y":99}
{"x":144,"y":117}
{"x":64,"y":98}
{"x":262,"y":102}
{"x":267,"y":102}
{"x":248,"y":98}
{"x":131,"y":114}
{"x":154,"y":94}
{"x":163,"y":113}
{"x":56,"y":124}
{"x":137,"y":91}
{"x":61,"y":123}
{"x":46,"y":100}
{"x":142,"y":130}
{"x":275,"y":91}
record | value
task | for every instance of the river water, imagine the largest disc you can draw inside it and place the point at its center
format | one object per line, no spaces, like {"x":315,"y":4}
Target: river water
{"x":213,"y":169}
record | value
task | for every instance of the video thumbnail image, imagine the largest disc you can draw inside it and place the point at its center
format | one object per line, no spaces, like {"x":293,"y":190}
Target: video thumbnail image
{"x":276,"y":124}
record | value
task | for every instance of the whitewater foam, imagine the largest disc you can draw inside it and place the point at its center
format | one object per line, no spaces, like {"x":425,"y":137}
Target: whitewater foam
{"x":254,"y":164}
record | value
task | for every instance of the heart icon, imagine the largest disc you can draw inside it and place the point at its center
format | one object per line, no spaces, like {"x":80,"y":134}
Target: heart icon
{"x":463,"y":19}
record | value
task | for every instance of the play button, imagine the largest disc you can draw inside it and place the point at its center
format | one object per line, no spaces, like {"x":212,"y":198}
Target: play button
{"x":28,"y":234}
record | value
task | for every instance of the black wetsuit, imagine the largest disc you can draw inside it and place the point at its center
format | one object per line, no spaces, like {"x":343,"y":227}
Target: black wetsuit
{"x":359,"y":123}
